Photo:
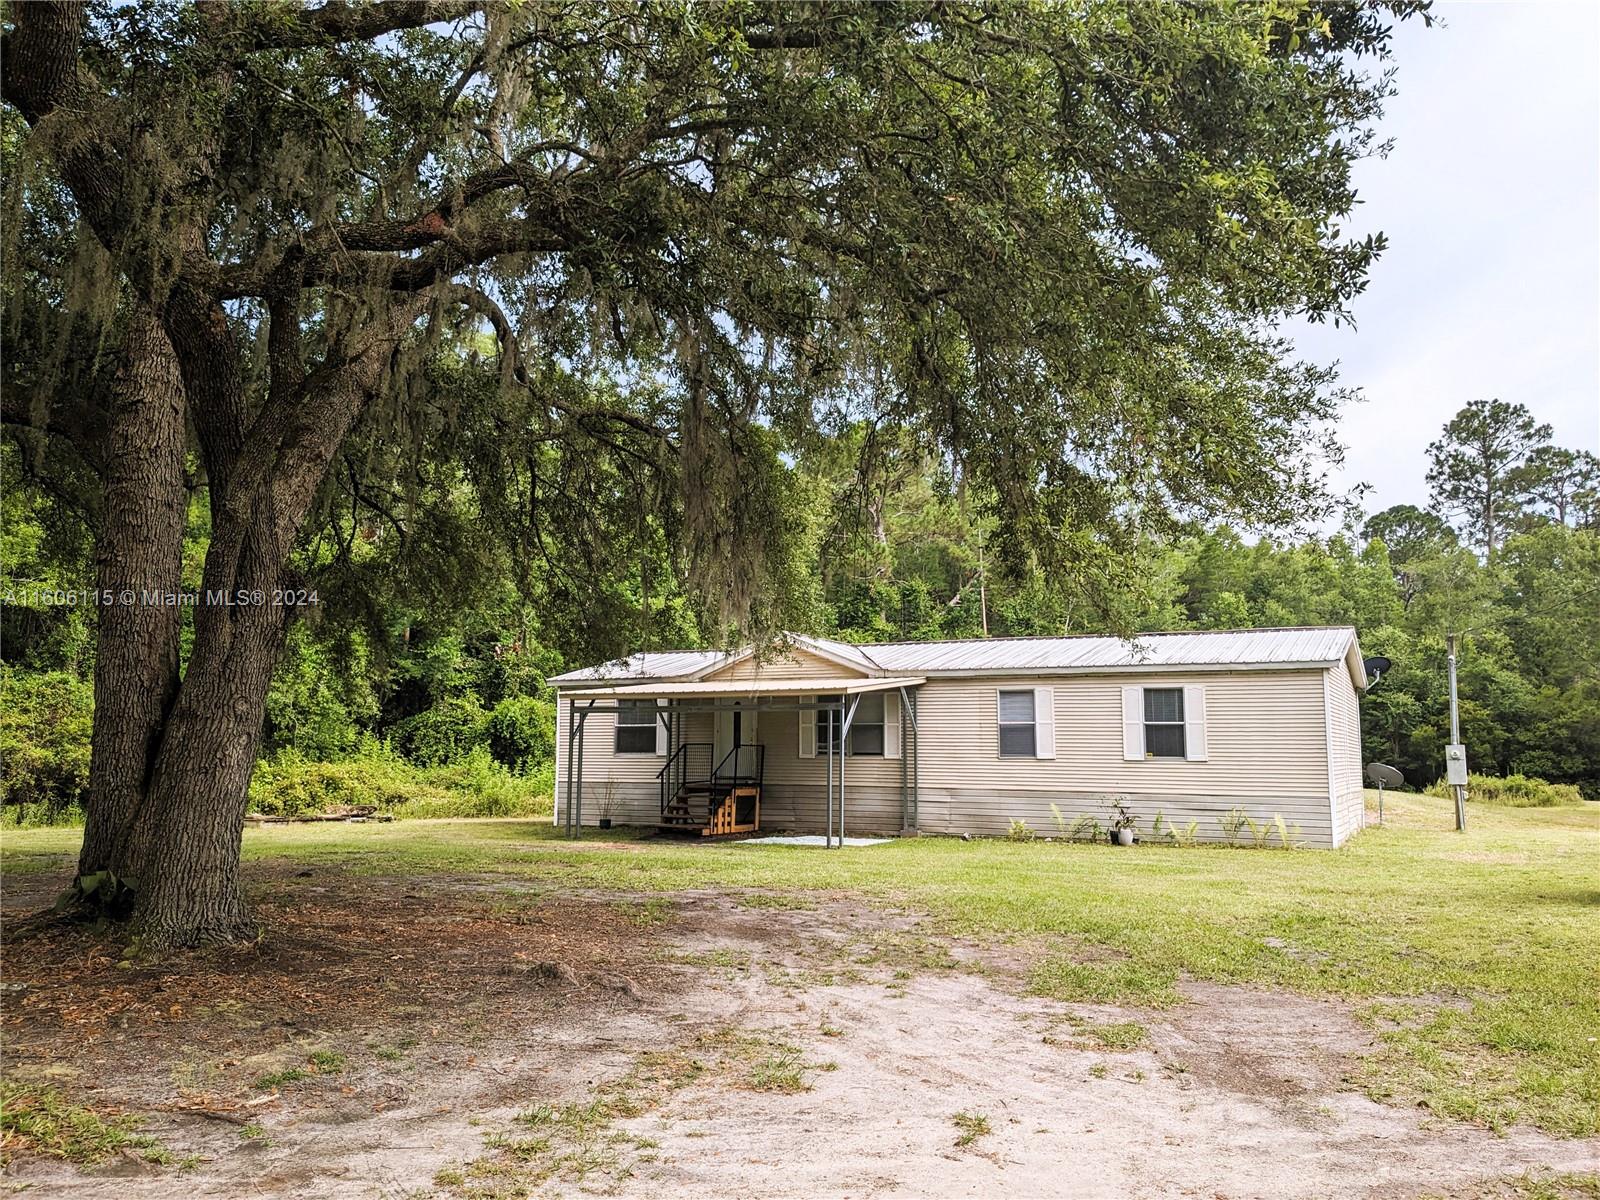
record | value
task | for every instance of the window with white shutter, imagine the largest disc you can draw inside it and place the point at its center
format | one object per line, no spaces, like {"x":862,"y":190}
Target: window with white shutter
{"x":1163,"y":723}
{"x":1018,"y":734}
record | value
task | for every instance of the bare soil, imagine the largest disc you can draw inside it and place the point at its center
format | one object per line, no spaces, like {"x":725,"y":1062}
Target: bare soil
{"x":492,"y":1040}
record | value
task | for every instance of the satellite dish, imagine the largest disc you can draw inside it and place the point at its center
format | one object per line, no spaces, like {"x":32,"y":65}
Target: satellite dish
{"x":1376,"y":666}
{"x":1383,"y":775}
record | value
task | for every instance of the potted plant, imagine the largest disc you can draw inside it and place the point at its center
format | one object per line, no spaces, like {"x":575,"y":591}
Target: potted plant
{"x":608,"y":802}
{"x":1122,"y":826}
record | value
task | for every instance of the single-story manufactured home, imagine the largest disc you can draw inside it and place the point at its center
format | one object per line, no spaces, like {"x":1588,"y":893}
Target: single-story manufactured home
{"x":968,"y":736}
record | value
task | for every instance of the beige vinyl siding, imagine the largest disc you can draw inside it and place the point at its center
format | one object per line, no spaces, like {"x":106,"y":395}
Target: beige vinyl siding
{"x":1344,"y":742}
{"x":1265,"y":742}
{"x":798,"y":663}
{"x":1267,"y":738}
{"x":795,"y":795}
{"x":630,"y":778}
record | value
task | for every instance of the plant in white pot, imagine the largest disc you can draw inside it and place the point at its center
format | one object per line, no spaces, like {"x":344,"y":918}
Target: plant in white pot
{"x":1122,"y":825}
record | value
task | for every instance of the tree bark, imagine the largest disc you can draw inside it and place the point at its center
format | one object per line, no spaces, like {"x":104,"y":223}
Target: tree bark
{"x":263,"y":486}
{"x":139,"y":553}
{"x":193,"y":894}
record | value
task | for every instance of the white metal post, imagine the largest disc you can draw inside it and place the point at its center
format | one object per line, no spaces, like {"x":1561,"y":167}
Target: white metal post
{"x":1455,"y":736}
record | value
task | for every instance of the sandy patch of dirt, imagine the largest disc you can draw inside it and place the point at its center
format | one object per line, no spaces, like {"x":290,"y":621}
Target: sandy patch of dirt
{"x":653,"y":1046}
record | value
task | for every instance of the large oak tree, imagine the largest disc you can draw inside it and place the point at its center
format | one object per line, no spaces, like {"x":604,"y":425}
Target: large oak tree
{"x":1049,"y":243}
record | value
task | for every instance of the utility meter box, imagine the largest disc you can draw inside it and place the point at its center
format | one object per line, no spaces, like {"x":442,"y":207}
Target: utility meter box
{"x":1455,"y":765}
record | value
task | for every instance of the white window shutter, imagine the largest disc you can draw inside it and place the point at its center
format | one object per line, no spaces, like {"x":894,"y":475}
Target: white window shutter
{"x":891,"y":725}
{"x":808,"y":728}
{"x":661,"y":727}
{"x":1194,"y":720}
{"x":1133,"y":722}
{"x":1044,"y":722}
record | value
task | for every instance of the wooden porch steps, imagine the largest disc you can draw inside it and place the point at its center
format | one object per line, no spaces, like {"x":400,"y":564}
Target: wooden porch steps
{"x":736,"y":811}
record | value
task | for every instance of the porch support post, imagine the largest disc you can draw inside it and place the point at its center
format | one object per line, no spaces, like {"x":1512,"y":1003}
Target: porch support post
{"x":827,"y":829}
{"x":572,"y":743}
{"x":577,"y":799}
{"x":906,"y":718}
{"x":916,"y":765}
{"x":844,"y":735}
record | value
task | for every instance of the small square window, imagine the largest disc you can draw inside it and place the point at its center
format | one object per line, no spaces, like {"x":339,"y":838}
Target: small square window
{"x":866,"y":728}
{"x":636,"y":728}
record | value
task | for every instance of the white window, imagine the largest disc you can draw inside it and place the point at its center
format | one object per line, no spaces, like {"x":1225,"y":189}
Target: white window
{"x":1019,"y":737}
{"x":636,"y":727}
{"x":1163,"y":723}
{"x":866,"y":730}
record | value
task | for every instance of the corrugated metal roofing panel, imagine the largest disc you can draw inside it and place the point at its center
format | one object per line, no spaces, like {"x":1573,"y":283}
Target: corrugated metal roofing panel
{"x":1245,"y":647}
{"x":651,"y":664}
{"x":848,"y":684}
{"x":1188,"y":648}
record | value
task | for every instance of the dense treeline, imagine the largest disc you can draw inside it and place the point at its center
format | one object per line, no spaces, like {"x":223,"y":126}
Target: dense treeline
{"x":432,"y":683}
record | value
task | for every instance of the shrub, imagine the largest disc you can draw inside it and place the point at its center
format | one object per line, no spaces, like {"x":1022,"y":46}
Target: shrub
{"x":446,"y":733}
{"x":290,"y":786}
{"x":478,"y":786}
{"x":521,"y":733}
{"x":320,"y":699}
{"x":1513,"y":791}
{"x":1019,"y":832}
{"x":45,"y":725}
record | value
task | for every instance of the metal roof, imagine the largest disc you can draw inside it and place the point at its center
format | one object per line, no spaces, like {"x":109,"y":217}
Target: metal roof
{"x":651,"y":664}
{"x":753,"y":688}
{"x":1190,"y":648}
{"x":1187,"y":649}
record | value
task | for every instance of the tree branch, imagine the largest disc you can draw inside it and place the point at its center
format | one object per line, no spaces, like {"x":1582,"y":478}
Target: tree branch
{"x":483,"y":304}
{"x":288,"y":27}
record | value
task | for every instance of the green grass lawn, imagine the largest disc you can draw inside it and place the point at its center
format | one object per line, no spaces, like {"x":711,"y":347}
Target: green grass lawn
{"x":1477,"y":957}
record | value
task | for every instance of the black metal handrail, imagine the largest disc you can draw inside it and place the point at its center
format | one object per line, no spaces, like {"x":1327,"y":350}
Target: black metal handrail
{"x":742,"y":766}
{"x":752,"y":755}
{"x":675,"y":773}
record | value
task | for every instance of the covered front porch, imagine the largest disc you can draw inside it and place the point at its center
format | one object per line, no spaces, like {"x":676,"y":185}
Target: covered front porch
{"x":714,"y":761}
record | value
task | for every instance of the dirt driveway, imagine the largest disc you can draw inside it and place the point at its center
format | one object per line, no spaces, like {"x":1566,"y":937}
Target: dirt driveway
{"x":471,"y":1037}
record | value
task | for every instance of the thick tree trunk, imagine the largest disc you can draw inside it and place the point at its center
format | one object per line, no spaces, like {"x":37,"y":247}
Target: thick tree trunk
{"x":140,"y":559}
{"x":263,"y":485}
{"x":194,"y":894}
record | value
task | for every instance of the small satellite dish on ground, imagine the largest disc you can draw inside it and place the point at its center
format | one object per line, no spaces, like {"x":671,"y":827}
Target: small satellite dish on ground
{"x":1382,"y":775}
{"x":1376,"y":666}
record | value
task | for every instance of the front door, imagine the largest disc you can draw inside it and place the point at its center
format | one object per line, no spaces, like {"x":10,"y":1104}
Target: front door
{"x":734,"y":728}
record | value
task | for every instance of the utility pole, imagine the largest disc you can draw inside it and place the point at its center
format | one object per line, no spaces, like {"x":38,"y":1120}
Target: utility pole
{"x":983,"y":586}
{"x":1457,"y":786}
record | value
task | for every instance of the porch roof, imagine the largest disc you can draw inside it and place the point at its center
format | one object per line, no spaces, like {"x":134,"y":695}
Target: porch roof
{"x":741,"y":688}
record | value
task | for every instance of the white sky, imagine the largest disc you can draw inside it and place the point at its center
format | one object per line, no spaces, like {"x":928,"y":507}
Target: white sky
{"x":1491,"y":202}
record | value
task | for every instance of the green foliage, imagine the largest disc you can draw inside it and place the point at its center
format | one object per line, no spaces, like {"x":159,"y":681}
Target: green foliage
{"x":1476,"y":468}
{"x":1514,"y":791}
{"x":446,"y":733}
{"x":475,"y":786}
{"x":521,"y":732}
{"x":45,"y":722}
{"x":322,"y":697}
{"x":1019,"y":832}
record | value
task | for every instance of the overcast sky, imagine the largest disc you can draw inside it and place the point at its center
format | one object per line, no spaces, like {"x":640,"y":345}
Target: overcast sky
{"x":1491,"y":202}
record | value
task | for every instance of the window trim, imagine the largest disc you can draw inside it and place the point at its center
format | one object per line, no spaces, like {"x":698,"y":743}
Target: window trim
{"x":827,"y":719}
{"x":1032,"y":725}
{"x":642,"y":706}
{"x":1181,"y":724}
